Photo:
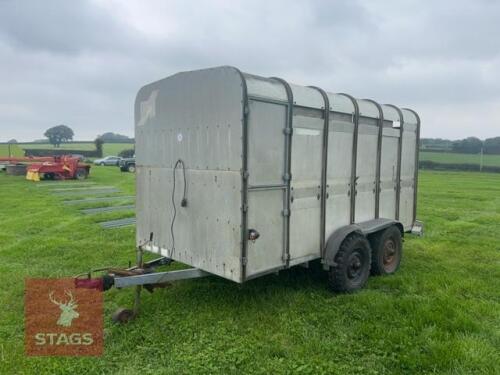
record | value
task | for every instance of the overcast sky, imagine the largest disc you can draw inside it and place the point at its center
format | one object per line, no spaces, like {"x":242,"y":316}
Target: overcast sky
{"x":80,"y":63}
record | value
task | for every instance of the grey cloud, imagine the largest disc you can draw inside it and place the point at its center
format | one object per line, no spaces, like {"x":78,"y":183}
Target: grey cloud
{"x":81,"y":62}
{"x":60,"y":26}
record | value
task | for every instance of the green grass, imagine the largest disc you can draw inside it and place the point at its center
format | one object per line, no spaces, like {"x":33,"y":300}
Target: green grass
{"x":15,"y":150}
{"x":439,"y":314}
{"x":108,"y":148}
{"x":115,"y":148}
{"x":71,"y":146}
{"x":453,"y":158}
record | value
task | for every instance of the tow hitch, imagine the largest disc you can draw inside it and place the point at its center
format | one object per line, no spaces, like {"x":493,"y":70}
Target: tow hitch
{"x":142,"y":275}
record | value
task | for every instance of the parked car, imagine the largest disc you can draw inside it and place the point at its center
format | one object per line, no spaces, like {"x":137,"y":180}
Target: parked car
{"x":127,"y":165}
{"x":108,"y":160}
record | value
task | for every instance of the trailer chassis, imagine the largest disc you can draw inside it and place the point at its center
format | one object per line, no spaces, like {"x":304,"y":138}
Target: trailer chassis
{"x":143,"y":275}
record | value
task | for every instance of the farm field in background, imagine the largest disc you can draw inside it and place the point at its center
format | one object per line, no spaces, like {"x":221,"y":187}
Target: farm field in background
{"x":115,"y":148}
{"x":439,"y":313}
{"x":454,"y":158}
{"x":14,"y":149}
{"x":108,"y":148}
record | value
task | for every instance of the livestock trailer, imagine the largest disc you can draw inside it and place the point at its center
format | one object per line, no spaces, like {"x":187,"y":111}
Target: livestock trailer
{"x":240,"y":176}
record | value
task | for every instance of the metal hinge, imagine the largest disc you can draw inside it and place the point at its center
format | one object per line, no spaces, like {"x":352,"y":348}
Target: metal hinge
{"x":288,"y":131}
{"x":285,"y":212}
{"x":244,"y":208}
{"x":244,"y":261}
{"x":246,"y":174}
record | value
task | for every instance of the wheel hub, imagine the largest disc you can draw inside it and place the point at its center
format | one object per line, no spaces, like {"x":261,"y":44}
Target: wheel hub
{"x":354,"y":265}
{"x":389,"y":252}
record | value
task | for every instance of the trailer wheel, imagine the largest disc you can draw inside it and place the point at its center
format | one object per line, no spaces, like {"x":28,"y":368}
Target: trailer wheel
{"x":123,"y":315}
{"x":81,"y":174}
{"x":352,"y":265}
{"x":387,"y":251}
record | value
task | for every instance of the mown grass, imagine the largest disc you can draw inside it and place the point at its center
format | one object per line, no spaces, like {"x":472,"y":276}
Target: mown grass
{"x":439,"y":314}
{"x":453,"y":158}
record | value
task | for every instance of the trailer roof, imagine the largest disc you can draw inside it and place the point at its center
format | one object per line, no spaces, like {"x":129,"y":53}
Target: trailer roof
{"x":274,"y":89}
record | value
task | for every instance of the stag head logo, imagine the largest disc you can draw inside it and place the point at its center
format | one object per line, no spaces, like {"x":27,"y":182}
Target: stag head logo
{"x":68,"y":309}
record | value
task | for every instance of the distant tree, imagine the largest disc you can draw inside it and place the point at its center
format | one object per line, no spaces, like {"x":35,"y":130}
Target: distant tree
{"x":127,"y":153}
{"x":12,"y":141}
{"x":492,"y":145}
{"x":59,"y":134}
{"x":113,"y":137}
{"x":470,"y":145}
{"x":98,"y":145}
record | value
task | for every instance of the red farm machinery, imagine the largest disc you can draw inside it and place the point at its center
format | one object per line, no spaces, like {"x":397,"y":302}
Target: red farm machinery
{"x":52,"y":168}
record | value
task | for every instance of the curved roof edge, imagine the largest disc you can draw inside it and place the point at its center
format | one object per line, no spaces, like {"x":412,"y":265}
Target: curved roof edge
{"x":307,"y":96}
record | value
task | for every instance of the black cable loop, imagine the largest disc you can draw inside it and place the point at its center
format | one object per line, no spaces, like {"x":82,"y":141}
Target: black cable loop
{"x":183,"y":202}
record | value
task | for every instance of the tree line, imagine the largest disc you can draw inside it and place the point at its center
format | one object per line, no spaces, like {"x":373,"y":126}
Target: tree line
{"x":469,"y":145}
{"x":63,"y":133}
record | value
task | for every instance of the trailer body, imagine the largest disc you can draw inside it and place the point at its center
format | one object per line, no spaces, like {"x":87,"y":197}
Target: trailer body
{"x":273,"y":173}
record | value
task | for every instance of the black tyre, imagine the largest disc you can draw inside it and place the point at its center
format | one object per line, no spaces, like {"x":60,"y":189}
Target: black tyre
{"x":101,"y":164}
{"x":49,"y":176}
{"x":131,"y":168}
{"x":123,"y":316}
{"x":81,"y":174}
{"x":352,"y":265}
{"x":387,"y":250}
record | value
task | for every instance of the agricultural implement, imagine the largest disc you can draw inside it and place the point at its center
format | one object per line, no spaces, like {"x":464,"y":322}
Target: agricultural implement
{"x":23,"y":160}
{"x":59,"y":168}
{"x":241,"y":176}
{"x":50,"y":167}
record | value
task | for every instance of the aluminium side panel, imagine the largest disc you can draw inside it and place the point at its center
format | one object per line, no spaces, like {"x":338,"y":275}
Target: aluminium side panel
{"x":366,"y":164}
{"x":340,"y":148}
{"x":388,"y":172}
{"x":408,"y":169}
{"x":306,"y":167}
{"x":196,"y":117}
{"x":389,"y":163}
{"x":266,"y":160}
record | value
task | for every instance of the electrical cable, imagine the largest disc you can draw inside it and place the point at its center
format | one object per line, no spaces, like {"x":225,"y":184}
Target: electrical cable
{"x":183,"y":202}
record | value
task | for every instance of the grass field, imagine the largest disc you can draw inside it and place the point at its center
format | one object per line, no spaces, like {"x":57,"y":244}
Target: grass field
{"x":453,"y":158}
{"x":108,"y":148}
{"x":439,"y":314}
{"x":15,"y":150}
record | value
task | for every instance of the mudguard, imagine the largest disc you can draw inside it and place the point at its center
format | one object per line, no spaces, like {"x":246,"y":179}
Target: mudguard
{"x":365,"y":228}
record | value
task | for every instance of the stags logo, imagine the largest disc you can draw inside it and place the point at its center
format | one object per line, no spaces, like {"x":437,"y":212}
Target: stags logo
{"x":68,"y":312}
{"x":62,"y":320}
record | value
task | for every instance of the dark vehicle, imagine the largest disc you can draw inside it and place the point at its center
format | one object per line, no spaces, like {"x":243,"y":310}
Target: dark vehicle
{"x":127,"y":165}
